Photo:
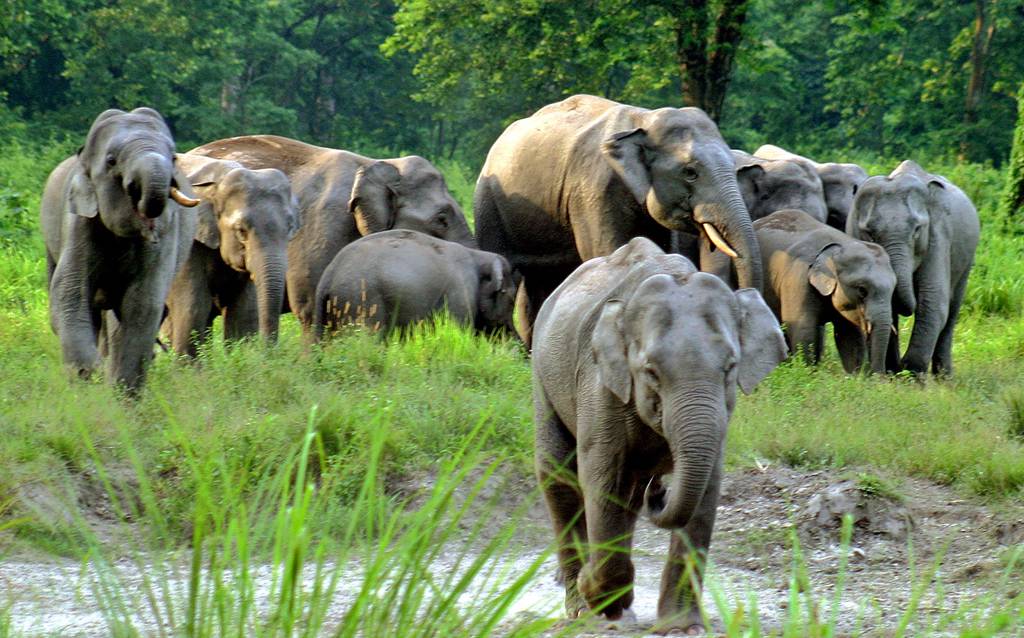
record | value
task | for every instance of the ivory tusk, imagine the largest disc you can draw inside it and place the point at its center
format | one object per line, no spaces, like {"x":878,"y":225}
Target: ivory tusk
{"x":183,"y":199}
{"x":719,"y":241}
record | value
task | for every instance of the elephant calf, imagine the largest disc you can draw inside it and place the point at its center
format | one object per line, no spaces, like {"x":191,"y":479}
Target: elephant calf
{"x":815,"y":275}
{"x":237,"y":262}
{"x":636,"y":360}
{"x":395,"y":278}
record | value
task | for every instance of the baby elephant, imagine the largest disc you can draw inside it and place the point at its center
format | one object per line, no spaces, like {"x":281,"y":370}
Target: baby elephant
{"x":816,"y":274}
{"x":395,"y":278}
{"x":636,"y":362}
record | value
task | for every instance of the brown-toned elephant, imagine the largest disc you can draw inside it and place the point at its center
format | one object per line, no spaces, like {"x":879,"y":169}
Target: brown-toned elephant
{"x":117,"y":228}
{"x":581,"y":177}
{"x":343,"y":196}
{"x":237,"y":264}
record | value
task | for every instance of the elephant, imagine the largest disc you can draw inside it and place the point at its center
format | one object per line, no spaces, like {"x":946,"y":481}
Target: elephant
{"x":581,"y":177}
{"x":636,"y":361}
{"x":237,"y":263}
{"x":343,"y":196}
{"x":815,"y":275}
{"x":116,"y":231}
{"x":769,"y":185}
{"x":930,"y":230}
{"x":840,"y":181}
{"x":392,"y":279}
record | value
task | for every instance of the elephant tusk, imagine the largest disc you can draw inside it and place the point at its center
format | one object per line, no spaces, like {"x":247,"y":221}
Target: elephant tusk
{"x":868,"y":327}
{"x":183,"y":199}
{"x":719,"y":241}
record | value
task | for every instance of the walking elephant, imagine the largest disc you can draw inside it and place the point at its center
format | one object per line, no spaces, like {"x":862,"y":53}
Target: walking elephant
{"x":343,"y":196}
{"x":816,"y":275}
{"x":769,"y":185}
{"x":930,"y":230}
{"x":237,"y":263}
{"x":116,"y":229}
{"x":581,"y":177}
{"x":395,"y":278}
{"x":636,"y":361}
{"x":840,"y":181}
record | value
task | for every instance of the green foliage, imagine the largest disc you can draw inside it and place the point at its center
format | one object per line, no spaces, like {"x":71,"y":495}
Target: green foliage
{"x":1013,"y":192}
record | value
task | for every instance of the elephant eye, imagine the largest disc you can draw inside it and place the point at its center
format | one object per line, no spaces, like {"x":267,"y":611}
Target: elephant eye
{"x":690,"y":174}
{"x":111,"y":159}
{"x":652,"y":374}
{"x":240,"y":234}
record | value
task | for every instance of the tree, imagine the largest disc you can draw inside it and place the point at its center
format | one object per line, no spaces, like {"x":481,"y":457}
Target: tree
{"x":1013,"y":193}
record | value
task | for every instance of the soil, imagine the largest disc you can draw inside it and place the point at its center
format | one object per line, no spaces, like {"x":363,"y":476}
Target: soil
{"x":908,"y":535}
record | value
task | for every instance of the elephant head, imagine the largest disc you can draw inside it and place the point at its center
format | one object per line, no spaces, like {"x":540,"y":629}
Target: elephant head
{"x":248,"y":216}
{"x":769,"y":185}
{"x":677,"y":348}
{"x":678,"y":167}
{"x":127,"y":173}
{"x":496,"y":293}
{"x":858,"y":280}
{"x":840,"y":182}
{"x":895,"y":212}
{"x":407,"y":193}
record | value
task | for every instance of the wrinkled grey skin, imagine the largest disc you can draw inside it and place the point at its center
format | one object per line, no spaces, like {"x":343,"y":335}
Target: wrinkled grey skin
{"x":769,"y":185}
{"x":840,"y":181}
{"x":237,"y":264}
{"x":581,"y":177}
{"x":636,"y":361}
{"x":815,"y":274}
{"x":343,"y":196}
{"x":930,"y":230}
{"x":114,"y":240}
{"x":392,"y":279}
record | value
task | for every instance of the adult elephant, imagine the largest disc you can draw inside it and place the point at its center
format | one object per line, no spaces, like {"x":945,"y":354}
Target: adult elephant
{"x":817,"y":275}
{"x":930,"y":230}
{"x":581,"y":177}
{"x":237,"y":263}
{"x":116,"y":232}
{"x":343,"y":196}
{"x":839,"y":179}
{"x":769,"y":185}
{"x":636,"y":362}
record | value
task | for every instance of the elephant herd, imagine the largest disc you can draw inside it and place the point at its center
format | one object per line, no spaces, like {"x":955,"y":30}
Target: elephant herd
{"x":589,"y":219}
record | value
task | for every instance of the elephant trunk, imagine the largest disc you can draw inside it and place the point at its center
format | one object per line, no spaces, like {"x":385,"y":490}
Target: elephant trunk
{"x":148,"y":184}
{"x":904,"y":301}
{"x":729,"y":217}
{"x":269,"y":277}
{"x":878,"y":345}
{"x":695,"y":434}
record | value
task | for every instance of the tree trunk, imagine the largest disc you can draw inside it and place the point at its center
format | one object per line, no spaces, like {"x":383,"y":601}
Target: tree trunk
{"x":1013,"y":194}
{"x":984,"y":31}
{"x":705,"y":59}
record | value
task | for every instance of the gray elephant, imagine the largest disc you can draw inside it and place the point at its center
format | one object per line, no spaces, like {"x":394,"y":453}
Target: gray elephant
{"x":816,"y":275}
{"x":238,"y":259}
{"x":930,"y":230}
{"x":116,"y":232}
{"x":769,"y":185}
{"x":343,"y":196}
{"x":840,"y":181}
{"x":636,"y":361}
{"x":393,"y":279}
{"x":581,"y":177}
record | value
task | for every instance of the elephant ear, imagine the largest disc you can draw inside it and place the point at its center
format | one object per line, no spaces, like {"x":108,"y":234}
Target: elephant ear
{"x":762,"y":346}
{"x":293,"y":216}
{"x":81,"y":196}
{"x":822,"y":272}
{"x":373,"y":197}
{"x":609,"y":345}
{"x":748,"y":177}
{"x":625,"y":152}
{"x":207,"y":230}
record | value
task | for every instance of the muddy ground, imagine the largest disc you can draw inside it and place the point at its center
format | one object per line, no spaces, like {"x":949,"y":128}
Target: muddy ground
{"x":902,"y":528}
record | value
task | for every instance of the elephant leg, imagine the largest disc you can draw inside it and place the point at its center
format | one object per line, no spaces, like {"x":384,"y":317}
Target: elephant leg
{"x":141,"y":311}
{"x":803,"y":337}
{"x":942,"y":358}
{"x":682,"y":579}
{"x":72,"y":316}
{"x":189,"y":310}
{"x":931,"y":316}
{"x":555,"y":463}
{"x":240,"y":316}
{"x":606,"y":579}
{"x":850,"y":343}
{"x":537,"y":289}
{"x":893,"y":359}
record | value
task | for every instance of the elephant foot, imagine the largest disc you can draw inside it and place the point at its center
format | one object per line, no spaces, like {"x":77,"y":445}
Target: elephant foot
{"x":688,"y":624}
{"x":610,"y":597}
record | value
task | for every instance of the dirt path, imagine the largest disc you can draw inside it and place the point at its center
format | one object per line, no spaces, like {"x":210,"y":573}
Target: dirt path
{"x":762,"y":511}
